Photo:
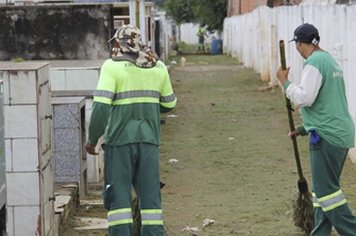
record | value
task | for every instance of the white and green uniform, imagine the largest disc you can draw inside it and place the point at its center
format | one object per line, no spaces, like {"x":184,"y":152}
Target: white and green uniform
{"x":126,"y":109}
{"x":321,"y":96}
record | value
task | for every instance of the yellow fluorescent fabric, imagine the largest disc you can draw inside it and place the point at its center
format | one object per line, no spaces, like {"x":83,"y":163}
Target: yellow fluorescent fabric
{"x":152,"y":217}
{"x":152,"y":222}
{"x":124,"y":83}
{"x":315,"y":200}
{"x":120,"y":216}
{"x":123,"y":210}
{"x":152,"y":211}
{"x":128,"y":101}
{"x":332,"y":201}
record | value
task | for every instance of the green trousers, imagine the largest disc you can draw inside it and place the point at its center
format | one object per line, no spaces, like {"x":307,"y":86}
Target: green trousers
{"x":330,"y":205}
{"x":132,"y":165}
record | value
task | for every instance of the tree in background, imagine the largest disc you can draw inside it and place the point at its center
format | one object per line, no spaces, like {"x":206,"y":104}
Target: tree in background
{"x":182,"y":11}
{"x":209,"y":13}
{"x":158,"y":3}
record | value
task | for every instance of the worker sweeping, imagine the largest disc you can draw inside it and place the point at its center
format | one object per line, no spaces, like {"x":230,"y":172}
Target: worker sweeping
{"x":133,"y":89}
{"x":327,"y":121}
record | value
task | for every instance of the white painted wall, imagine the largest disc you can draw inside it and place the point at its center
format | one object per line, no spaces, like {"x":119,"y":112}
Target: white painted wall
{"x":188,"y":33}
{"x":166,"y":37}
{"x":69,"y":76}
{"x":306,"y":2}
{"x":254,"y":38}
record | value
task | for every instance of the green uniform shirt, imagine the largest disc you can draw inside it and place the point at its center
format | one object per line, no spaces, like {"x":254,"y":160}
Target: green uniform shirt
{"x":329,"y":114}
{"x":127,"y":103}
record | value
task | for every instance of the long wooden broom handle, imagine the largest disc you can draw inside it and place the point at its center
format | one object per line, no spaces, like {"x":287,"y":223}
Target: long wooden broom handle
{"x":290,"y":115}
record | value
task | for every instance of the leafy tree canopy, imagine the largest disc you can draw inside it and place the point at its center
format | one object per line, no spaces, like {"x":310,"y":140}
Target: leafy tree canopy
{"x":209,"y":13}
{"x":182,"y":11}
{"x":158,"y":3}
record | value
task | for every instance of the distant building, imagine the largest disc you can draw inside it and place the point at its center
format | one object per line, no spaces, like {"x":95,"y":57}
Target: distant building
{"x":239,"y":7}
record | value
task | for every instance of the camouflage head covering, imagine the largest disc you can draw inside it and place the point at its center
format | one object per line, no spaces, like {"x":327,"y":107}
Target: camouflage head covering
{"x":127,"y":46}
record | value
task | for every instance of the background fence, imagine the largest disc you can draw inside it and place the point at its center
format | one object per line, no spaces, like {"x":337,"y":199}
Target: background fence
{"x":254,"y":39}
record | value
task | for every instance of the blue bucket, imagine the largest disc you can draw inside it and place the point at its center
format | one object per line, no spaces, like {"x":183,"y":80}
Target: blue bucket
{"x":216,"y":46}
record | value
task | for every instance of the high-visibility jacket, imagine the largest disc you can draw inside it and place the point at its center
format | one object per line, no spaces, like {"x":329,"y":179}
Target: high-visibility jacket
{"x":127,"y":103}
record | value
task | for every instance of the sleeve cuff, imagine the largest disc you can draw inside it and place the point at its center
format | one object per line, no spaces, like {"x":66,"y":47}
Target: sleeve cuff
{"x":286,"y":84}
{"x":301,"y":130}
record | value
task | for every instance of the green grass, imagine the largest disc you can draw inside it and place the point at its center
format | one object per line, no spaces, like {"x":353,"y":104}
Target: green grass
{"x":207,"y":59}
{"x":225,"y":138}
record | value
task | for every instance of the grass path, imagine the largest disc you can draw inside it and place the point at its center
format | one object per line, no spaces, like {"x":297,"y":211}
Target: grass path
{"x":235,"y":162}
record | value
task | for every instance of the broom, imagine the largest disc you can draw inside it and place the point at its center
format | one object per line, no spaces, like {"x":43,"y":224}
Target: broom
{"x":303,"y":207}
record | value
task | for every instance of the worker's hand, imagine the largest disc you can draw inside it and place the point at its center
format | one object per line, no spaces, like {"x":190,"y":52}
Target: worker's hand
{"x":293,"y":133}
{"x":90,"y":148}
{"x":282,"y":75}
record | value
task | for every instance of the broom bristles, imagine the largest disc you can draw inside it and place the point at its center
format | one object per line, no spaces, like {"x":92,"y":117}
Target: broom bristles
{"x":136,"y":217}
{"x":303,"y":214}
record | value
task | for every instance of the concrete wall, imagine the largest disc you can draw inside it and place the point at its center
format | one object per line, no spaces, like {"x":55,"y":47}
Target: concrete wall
{"x":238,"y":7}
{"x":49,"y":32}
{"x":249,"y":5}
{"x":165,"y":39}
{"x":2,"y":163}
{"x":28,"y":152}
{"x":253,"y":38}
{"x":79,"y":78}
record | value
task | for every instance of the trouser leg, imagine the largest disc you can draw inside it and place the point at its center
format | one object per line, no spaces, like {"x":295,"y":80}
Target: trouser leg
{"x":118,"y":172}
{"x":322,"y":225}
{"x":147,"y":186}
{"x":331,"y":208}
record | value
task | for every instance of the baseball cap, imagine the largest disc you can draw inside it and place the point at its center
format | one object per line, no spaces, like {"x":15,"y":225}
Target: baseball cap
{"x":306,"y":33}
